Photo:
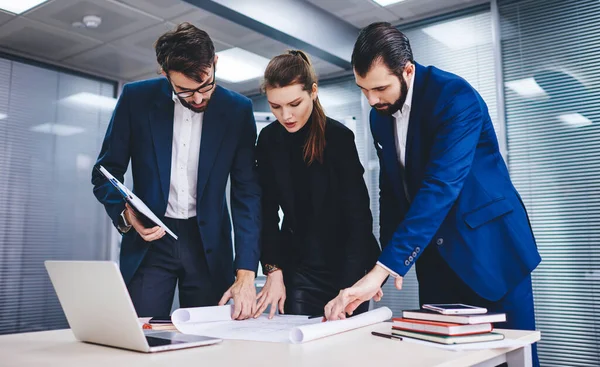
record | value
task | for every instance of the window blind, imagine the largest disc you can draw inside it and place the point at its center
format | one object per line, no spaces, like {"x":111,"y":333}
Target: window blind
{"x":551,"y":67}
{"x":50,"y":135}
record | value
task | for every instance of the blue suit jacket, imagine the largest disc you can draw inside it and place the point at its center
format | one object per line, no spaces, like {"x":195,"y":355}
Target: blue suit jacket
{"x":461,"y":196}
{"x":141,"y":129}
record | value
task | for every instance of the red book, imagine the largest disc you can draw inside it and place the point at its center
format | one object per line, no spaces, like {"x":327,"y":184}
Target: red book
{"x":440,"y":328}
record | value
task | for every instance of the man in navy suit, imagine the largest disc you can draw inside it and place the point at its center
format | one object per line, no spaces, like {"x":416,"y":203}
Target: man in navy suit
{"x":185,"y":136}
{"x":446,"y":199}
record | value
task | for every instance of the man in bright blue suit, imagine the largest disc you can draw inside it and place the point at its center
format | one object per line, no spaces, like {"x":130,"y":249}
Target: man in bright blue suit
{"x":185,"y":136}
{"x":446,"y":199}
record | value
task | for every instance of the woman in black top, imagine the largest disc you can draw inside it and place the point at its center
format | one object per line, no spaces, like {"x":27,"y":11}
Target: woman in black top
{"x":308,"y":165}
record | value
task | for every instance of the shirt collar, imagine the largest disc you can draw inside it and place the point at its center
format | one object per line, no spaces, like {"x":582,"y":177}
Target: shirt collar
{"x":175,"y":98}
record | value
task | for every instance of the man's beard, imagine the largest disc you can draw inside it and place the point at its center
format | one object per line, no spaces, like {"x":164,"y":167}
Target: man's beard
{"x":392,"y":108}
{"x":192,"y":108}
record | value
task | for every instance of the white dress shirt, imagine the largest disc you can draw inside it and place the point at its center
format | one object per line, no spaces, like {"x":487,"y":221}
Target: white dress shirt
{"x":401,"y":119}
{"x":187,"y":131}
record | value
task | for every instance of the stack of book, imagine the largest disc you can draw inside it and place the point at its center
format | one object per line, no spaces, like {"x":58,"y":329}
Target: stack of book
{"x":162,"y":326}
{"x":447,"y":329}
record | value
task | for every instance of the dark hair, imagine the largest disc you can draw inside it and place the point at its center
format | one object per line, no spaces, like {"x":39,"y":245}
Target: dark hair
{"x":381,"y":41}
{"x":185,"y":49}
{"x":294,"y":67}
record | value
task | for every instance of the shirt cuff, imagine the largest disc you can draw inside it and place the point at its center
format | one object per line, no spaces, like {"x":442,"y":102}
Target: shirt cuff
{"x":392,"y":273}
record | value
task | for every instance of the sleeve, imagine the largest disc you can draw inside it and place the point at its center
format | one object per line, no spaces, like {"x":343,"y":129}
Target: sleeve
{"x":270,"y":246}
{"x":245,"y":197}
{"x":389,"y":212}
{"x":114,"y":156}
{"x":451,"y":157}
{"x":361,"y":250}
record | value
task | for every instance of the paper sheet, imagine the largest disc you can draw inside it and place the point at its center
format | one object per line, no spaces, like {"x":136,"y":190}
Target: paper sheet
{"x":216,"y":322}
{"x":134,"y":201}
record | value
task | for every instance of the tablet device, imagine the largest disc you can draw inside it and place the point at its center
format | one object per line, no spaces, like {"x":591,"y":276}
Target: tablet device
{"x":455,"y":309}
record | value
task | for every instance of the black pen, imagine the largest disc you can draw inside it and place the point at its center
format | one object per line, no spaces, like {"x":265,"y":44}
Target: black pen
{"x":387,"y":336}
{"x":315,"y":316}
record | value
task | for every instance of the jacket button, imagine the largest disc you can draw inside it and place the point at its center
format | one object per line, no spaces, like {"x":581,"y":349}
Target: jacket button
{"x":417,"y":250}
{"x":291,"y":231}
{"x":440,"y":241}
{"x":407,"y":263}
{"x":414,"y":254}
{"x":410,"y":258}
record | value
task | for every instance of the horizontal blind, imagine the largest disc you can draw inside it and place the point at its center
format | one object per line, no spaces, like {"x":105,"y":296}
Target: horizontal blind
{"x":47,"y":209}
{"x":461,"y":45}
{"x":551,"y":62}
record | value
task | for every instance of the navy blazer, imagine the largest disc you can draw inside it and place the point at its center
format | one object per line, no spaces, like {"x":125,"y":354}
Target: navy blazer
{"x":141,"y":129}
{"x":461,"y":196}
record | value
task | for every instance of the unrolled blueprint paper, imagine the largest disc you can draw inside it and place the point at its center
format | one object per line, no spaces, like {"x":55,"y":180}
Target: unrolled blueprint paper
{"x":216,"y":322}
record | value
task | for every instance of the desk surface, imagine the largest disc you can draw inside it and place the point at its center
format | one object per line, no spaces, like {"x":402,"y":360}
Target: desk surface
{"x":354,"y":348}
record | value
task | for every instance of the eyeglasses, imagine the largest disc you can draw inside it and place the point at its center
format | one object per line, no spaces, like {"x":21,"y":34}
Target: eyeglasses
{"x":202,"y":89}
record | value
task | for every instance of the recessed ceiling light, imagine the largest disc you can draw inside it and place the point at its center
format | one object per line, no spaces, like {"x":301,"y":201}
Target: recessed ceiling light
{"x":458,"y":34}
{"x":3,"y":116}
{"x":527,"y":88}
{"x":19,"y":6}
{"x":237,"y":65}
{"x":57,"y":129}
{"x":91,"y":100}
{"x":387,"y":2}
{"x":575,"y":119}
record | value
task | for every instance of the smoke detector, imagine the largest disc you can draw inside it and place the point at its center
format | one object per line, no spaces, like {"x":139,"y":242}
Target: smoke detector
{"x":89,"y":21}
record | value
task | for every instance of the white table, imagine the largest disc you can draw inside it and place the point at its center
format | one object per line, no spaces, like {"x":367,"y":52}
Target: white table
{"x":354,"y":348}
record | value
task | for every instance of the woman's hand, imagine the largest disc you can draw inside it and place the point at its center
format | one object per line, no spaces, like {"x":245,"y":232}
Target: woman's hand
{"x":273,"y":293}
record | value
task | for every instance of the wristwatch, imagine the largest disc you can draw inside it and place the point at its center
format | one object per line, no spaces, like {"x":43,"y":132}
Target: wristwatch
{"x":269,"y":268}
{"x":124,"y":226}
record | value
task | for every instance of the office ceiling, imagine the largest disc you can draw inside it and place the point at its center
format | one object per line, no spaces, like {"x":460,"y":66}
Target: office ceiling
{"x":361,"y":13}
{"x":121,"y":48}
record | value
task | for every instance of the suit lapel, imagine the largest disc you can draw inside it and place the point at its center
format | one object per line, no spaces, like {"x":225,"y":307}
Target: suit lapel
{"x":283,"y":174}
{"x":386,"y":137}
{"x":161,"y":127}
{"x":214,"y":126}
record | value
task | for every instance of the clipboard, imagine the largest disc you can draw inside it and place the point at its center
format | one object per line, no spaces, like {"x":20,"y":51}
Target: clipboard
{"x":142,"y":212}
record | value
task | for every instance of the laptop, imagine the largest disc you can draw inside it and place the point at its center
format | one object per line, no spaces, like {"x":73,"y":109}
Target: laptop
{"x":99,"y":310}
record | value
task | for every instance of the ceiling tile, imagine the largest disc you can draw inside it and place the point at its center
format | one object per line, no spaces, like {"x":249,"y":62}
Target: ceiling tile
{"x":220,"y":29}
{"x":359,"y":13}
{"x":266,"y":47}
{"x":414,"y":10}
{"x":41,"y":40}
{"x":114,"y":61}
{"x":118,"y":19}
{"x":164,"y":9}
{"x":5,"y":17}
{"x":142,"y":43}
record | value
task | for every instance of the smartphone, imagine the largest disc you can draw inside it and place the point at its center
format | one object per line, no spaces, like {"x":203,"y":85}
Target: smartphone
{"x":455,"y":309}
{"x":160,"y":320}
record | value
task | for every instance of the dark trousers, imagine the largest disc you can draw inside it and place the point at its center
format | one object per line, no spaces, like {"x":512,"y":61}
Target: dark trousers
{"x":440,"y":284}
{"x":168,"y":261}
{"x":309,"y":290}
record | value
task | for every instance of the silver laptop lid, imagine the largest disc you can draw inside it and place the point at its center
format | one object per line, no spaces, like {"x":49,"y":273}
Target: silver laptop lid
{"x":95,"y":300}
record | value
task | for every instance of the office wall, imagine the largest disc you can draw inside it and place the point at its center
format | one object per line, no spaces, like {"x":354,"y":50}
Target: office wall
{"x":551,"y":59}
{"x":49,"y":141}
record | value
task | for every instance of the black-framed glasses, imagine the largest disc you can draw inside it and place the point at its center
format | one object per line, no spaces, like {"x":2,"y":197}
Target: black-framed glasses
{"x":201,"y":89}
